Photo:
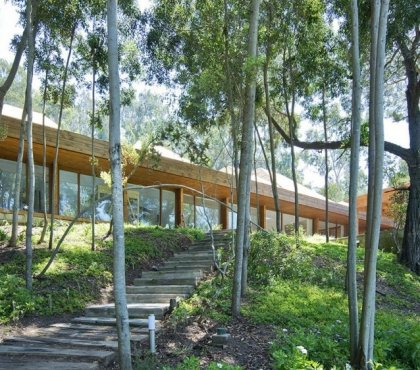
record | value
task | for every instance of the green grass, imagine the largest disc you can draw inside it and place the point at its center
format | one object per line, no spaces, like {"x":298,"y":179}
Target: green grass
{"x":301,"y":292}
{"x":77,"y":275}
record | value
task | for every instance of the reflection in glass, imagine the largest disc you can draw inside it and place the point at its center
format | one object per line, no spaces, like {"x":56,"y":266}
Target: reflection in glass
{"x":68,"y":193}
{"x":168,"y":209}
{"x":149,"y":207}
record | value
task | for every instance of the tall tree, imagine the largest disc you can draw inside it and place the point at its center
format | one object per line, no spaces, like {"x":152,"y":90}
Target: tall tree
{"x":117,"y":191}
{"x":354,"y":170}
{"x":246,"y":157}
{"x":30,"y":154}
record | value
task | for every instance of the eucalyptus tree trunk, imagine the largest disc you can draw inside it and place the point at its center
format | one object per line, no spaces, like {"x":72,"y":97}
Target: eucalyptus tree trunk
{"x":368,"y":311}
{"x":93,"y":246}
{"x":18,"y":179}
{"x":4,"y":88}
{"x":410,"y":250}
{"x":121,"y":311}
{"x":30,"y":154}
{"x":246,"y":162}
{"x":229,"y":93}
{"x":44,"y":163}
{"x":324,"y":122}
{"x":354,"y":172}
{"x":290,"y":111}
{"x":272,"y":146}
{"x":57,"y":140}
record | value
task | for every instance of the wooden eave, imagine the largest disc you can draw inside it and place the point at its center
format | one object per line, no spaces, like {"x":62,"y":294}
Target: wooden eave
{"x":75,"y":154}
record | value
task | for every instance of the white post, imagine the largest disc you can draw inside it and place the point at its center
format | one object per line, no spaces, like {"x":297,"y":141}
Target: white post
{"x":152,"y":329}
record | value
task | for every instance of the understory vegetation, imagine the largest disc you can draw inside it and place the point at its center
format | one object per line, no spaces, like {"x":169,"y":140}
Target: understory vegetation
{"x":78,"y":275}
{"x":301,"y":292}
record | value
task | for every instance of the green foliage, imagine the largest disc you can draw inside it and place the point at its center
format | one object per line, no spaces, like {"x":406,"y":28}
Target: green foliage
{"x":3,"y":235}
{"x":211,"y":299}
{"x":77,"y":275}
{"x":303,"y":297}
{"x":193,"y":363}
{"x":15,"y":300}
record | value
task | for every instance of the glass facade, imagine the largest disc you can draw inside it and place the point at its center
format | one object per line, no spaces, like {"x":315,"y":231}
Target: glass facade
{"x":188,"y":212}
{"x":168,"y":209}
{"x":207,"y":212}
{"x":39,"y":189}
{"x":149,"y":207}
{"x":69,"y":187}
{"x":7,"y":184}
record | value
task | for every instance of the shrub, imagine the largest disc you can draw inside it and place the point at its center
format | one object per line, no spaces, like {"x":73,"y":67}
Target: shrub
{"x":15,"y":300}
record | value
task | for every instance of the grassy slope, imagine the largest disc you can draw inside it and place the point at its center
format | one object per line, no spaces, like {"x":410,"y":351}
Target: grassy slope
{"x":78,"y":275}
{"x":301,"y":292}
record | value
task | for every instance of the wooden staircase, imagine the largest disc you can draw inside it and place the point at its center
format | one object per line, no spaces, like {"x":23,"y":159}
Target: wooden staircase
{"x":90,"y":342}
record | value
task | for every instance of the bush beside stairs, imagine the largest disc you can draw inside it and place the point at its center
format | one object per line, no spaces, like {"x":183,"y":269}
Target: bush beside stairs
{"x":90,"y":342}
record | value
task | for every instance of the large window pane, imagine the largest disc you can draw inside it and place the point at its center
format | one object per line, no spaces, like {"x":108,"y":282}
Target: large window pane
{"x":103,"y":207}
{"x":133,"y":196}
{"x":7,"y":181}
{"x":68,"y":193}
{"x":168,"y":208}
{"x":232,"y":216}
{"x":149,"y":206}
{"x":270,"y":220}
{"x":207,"y":211}
{"x":188,"y":210}
{"x":39,"y":189}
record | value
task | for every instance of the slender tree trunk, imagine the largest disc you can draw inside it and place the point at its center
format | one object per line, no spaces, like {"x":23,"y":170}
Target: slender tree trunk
{"x":272,"y":146}
{"x":368,"y":311}
{"x":18,"y":179}
{"x":121,"y":311}
{"x":246,"y":162}
{"x":354,"y":172}
{"x":230,"y":95}
{"x":13,"y":70}
{"x":410,"y":251}
{"x":93,"y":246}
{"x":324,"y":122}
{"x":57,"y":140}
{"x":30,"y":154}
{"x":44,"y":163}
{"x":290,"y":117}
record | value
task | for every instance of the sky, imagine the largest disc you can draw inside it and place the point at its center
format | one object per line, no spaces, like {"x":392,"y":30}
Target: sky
{"x":394,"y":132}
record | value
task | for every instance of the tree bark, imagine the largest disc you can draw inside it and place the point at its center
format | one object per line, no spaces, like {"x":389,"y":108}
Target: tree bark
{"x":44,"y":163}
{"x":13,"y":70}
{"x":410,"y":251}
{"x":93,"y":246}
{"x":368,"y":311}
{"x":57,"y":140}
{"x":354,"y":174}
{"x":271,"y":136}
{"x":30,"y":154}
{"x":18,"y":180}
{"x":246,"y":161}
{"x":121,"y":311}
{"x":324,"y":122}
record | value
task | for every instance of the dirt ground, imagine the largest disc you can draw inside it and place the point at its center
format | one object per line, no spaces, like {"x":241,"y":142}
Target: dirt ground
{"x":248,"y":347}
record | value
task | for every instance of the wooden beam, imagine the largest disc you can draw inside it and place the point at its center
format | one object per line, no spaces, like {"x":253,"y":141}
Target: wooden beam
{"x":224,"y":214}
{"x":315,"y":225}
{"x":179,"y":208}
{"x":263,"y":216}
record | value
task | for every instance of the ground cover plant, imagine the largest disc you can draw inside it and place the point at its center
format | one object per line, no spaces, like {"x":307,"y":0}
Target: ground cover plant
{"x":299,"y":294}
{"x":78,"y":275}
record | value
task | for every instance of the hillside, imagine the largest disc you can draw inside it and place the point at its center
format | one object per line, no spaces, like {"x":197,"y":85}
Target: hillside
{"x":294,"y":316}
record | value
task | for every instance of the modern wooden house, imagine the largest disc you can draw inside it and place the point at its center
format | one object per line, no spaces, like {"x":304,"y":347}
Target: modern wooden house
{"x":177,"y":198}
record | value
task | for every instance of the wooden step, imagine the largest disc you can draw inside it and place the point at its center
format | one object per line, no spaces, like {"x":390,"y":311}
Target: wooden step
{"x":171,"y":289}
{"x":153,"y":298}
{"x":57,"y":340}
{"x":135,"y":310}
{"x":192,"y":281}
{"x":27,"y":363}
{"x":111,"y":321}
{"x":46,"y":352}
